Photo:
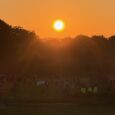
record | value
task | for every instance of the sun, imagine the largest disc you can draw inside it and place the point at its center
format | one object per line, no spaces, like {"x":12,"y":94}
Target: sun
{"x":59,"y":25}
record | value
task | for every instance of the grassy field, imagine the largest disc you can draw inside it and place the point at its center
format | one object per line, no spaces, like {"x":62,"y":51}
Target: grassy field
{"x":56,"y":109}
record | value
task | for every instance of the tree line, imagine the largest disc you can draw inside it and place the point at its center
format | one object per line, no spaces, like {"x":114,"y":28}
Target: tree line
{"x":23,"y":52}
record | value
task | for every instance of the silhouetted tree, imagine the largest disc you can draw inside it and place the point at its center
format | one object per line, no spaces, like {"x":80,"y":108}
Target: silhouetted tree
{"x":23,"y":53}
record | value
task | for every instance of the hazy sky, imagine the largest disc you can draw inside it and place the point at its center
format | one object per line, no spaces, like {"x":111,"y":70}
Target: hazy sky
{"x":81,"y":16}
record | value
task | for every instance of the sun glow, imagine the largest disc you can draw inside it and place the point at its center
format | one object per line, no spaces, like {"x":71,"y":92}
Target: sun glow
{"x":58,"y":25}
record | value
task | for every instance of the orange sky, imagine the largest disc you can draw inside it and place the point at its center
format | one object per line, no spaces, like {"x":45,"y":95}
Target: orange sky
{"x":81,"y":16}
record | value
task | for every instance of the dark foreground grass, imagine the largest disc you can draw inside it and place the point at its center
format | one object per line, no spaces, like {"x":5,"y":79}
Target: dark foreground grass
{"x":104,"y":105}
{"x":57,"y":109}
